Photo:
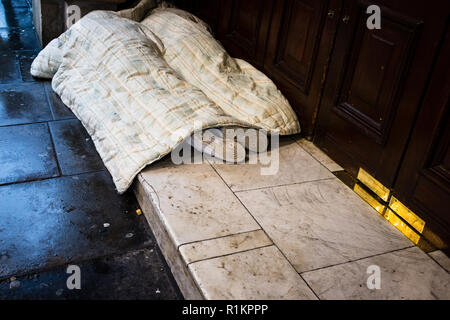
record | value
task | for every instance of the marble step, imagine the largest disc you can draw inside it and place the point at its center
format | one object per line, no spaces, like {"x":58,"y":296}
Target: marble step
{"x":228,"y":232}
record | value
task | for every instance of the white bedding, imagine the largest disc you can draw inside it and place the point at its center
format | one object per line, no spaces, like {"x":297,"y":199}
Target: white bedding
{"x":111,"y":73}
{"x":233,"y":84}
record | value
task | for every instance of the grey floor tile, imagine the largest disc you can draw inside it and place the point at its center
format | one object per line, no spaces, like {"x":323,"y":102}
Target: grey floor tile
{"x":25,"y":60}
{"x":441,"y":259}
{"x":18,"y":3}
{"x":26,"y":153}
{"x":56,"y":221}
{"x":59,"y":109}
{"x":9,"y":71}
{"x":193,"y":202}
{"x":74,"y":148}
{"x":18,"y":39}
{"x":24,"y":103}
{"x":15,"y":17}
{"x":321,"y":223}
{"x":138,"y":274}
{"x":288,"y":164}
{"x":403,"y":274}
{"x":319,"y":155}
{"x":261,"y":274}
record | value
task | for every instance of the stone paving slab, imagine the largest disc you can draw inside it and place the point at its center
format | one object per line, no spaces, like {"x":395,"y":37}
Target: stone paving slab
{"x":275,"y":237}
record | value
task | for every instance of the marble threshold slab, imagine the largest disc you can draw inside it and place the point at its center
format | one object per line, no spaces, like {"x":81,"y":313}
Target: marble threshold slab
{"x":228,"y":232}
{"x":213,"y":246}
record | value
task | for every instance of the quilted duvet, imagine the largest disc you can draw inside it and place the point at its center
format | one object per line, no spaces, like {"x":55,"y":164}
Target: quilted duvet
{"x":233,"y":84}
{"x":111,"y":72}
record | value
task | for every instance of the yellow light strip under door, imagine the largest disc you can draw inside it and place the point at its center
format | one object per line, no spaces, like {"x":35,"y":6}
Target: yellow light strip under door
{"x":373,"y":184}
{"x":379,"y":197}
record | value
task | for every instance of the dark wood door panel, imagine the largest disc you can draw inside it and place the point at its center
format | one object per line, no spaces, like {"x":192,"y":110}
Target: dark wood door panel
{"x":378,"y":65}
{"x":299,"y":38}
{"x":375,"y":84}
{"x":243,"y":28}
{"x":298,"y":50}
{"x":424,"y":177}
{"x":207,"y":10}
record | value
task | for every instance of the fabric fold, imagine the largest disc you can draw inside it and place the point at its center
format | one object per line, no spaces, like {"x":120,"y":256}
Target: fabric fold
{"x":110,"y":71}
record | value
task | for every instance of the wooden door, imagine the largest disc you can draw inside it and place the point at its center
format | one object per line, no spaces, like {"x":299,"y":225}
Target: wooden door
{"x":300,"y":41}
{"x":376,"y":81}
{"x":207,"y":10}
{"x":243,"y":28}
{"x":424,"y":178}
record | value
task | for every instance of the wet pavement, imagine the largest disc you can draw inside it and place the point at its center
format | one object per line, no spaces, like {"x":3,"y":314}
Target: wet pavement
{"x":101,"y":278}
{"x":58,"y":205}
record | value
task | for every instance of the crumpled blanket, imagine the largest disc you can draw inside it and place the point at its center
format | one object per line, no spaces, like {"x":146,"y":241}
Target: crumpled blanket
{"x":233,"y":84}
{"x":111,"y":73}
